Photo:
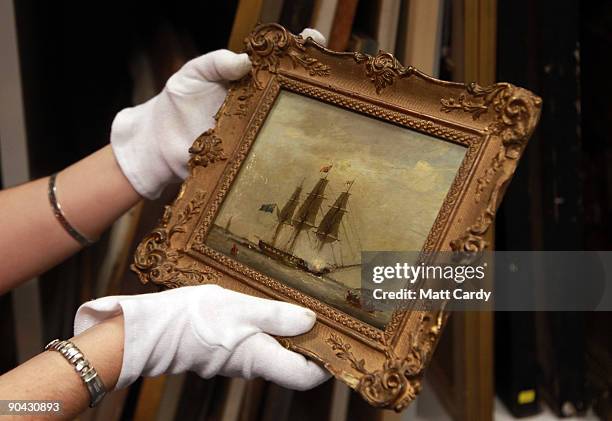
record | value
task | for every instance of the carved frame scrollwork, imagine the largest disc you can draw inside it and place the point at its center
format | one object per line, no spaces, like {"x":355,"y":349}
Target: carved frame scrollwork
{"x":493,"y":123}
{"x":158,"y":262}
{"x":515,"y":113}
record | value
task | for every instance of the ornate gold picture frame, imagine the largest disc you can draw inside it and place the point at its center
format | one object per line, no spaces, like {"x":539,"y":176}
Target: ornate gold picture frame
{"x":383,"y":361}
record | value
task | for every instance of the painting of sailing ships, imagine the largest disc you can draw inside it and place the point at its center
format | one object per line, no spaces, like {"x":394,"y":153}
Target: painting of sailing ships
{"x":326,"y":231}
{"x":321,"y":184}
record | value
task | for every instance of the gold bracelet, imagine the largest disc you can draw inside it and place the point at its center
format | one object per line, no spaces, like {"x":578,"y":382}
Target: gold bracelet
{"x":61,"y":218}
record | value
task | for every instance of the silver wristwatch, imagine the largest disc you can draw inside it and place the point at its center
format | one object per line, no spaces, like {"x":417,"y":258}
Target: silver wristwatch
{"x":83,"y":368}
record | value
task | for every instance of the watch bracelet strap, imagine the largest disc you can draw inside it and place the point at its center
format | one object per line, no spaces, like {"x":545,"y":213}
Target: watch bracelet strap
{"x":61,"y":218}
{"x":84,"y":369}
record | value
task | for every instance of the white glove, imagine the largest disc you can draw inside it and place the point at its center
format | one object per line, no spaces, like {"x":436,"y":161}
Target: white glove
{"x":151,"y":141}
{"x":209,"y":330}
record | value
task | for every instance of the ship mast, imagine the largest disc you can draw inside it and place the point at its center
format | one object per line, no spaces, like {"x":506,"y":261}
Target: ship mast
{"x":228,"y":224}
{"x":330,"y":224}
{"x":305,"y":218}
{"x":286,"y":213}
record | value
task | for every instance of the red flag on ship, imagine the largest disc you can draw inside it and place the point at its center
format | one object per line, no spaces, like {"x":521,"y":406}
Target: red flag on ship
{"x":326,"y":168}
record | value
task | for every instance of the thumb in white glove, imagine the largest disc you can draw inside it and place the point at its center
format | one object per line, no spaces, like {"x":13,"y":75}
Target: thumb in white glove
{"x":209,"y":330}
{"x":151,"y":141}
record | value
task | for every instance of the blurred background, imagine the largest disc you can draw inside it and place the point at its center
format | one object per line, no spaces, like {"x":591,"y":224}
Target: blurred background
{"x":67,"y":67}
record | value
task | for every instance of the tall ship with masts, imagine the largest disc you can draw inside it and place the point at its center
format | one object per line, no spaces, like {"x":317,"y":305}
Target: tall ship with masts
{"x":300,"y":217}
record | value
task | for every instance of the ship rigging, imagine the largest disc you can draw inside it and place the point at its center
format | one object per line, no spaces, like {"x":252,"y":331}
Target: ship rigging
{"x":302,"y":218}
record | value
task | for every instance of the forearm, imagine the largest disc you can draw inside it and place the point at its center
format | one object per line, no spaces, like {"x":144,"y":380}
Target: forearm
{"x":92,"y":192}
{"x":150,"y":142}
{"x":49,"y":376}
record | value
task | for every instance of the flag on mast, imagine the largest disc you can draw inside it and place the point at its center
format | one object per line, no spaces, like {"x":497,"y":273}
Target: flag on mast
{"x":326,"y":168}
{"x":267,"y":207}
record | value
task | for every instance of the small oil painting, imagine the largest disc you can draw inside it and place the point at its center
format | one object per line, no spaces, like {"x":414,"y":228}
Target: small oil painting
{"x":321,"y":184}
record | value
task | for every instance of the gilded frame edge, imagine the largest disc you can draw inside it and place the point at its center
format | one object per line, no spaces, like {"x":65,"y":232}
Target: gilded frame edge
{"x":501,"y":119}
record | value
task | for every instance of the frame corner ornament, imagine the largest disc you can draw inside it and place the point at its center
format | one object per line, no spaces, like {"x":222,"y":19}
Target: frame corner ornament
{"x":270,"y":42}
{"x":515,"y":113}
{"x":399,"y":380}
{"x":156,"y":261}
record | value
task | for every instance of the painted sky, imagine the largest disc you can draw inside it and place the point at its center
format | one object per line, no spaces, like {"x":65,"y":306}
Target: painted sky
{"x":401,"y":176}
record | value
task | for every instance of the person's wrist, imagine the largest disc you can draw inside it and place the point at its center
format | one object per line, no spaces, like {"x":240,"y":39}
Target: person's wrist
{"x":103,"y":346}
{"x":83,"y":368}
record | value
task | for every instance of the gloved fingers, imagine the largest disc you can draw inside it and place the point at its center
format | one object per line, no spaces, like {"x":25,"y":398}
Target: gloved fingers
{"x":262,"y":356}
{"x":220,"y":65}
{"x":279,"y":318}
{"x":217,"y":66}
{"x":315,"y":35}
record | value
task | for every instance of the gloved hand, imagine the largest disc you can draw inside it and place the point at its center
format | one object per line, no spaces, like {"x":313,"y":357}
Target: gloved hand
{"x":151,"y":141}
{"x":209,"y":330}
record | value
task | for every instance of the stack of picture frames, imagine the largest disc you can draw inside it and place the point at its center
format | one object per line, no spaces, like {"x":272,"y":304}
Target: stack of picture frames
{"x":317,"y":155}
